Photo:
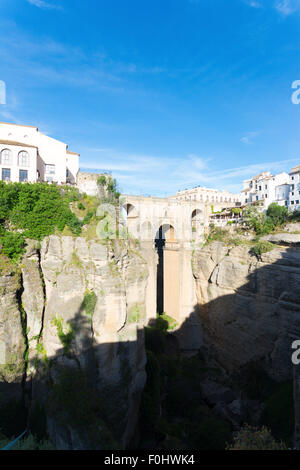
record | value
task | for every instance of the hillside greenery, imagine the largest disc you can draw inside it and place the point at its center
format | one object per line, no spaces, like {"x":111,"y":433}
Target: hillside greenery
{"x":36,"y":210}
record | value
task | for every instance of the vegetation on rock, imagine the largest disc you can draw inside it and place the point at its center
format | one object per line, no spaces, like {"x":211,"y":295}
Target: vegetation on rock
{"x":66,"y":337}
{"x":33,"y":210}
{"x":262,"y":247}
{"x":89,"y":303}
{"x":253,"y":438}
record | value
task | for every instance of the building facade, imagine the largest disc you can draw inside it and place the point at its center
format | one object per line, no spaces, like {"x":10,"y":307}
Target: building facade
{"x":282,"y":194}
{"x":26,"y":154}
{"x":262,"y":188}
{"x":294,"y":193}
{"x":207,"y":195}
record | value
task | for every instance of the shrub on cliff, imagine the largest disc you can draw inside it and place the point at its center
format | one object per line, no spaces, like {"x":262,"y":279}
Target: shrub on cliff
{"x":29,"y":442}
{"x":261,"y":247}
{"x":253,"y":438}
{"x":13,"y":245}
{"x":263,"y":223}
{"x":110,"y":187}
{"x":257,"y":220}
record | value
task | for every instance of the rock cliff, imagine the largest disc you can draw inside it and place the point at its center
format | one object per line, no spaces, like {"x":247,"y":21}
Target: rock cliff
{"x":249,"y":307}
{"x":71,"y":337}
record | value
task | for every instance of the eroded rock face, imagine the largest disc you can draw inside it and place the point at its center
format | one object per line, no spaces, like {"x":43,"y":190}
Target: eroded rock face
{"x":288,"y":239}
{"x":106,"y":339}
{"x":249,"y":307}
{"x":75,"y":311}
{"x":12,"y":345}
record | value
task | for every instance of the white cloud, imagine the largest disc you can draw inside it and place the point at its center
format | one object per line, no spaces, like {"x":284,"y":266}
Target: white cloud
{"x":253,"y":4}
{"x":249,"y":137}
{"x":284,"y":7}
{"x":287,"y":7}
{"x":45,"y":4}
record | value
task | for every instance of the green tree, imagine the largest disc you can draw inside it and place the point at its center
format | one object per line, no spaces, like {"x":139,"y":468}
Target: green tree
{"x":278,"y":214}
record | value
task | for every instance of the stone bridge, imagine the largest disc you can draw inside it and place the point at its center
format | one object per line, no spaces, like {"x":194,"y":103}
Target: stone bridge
{"x":169,"y":231}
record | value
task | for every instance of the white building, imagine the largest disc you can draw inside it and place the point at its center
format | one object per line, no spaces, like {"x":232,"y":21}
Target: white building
{"x":26,"y":154}
{"x":294,"y":196}
{"x":250,"y":188}
{"x":212,"y":196}
{"x":282,"y":194}
{"x":262,"y":187}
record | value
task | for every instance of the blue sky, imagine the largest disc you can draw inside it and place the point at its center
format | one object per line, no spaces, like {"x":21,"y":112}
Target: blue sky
{"x":168,"y":94}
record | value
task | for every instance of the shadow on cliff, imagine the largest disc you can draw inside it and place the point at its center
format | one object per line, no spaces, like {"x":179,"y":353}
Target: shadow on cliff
{"x":233,"y":360}
{"x":90,"y":396}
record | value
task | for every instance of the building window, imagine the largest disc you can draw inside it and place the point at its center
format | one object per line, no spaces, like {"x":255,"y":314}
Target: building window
{"x":266,"y":186}
{"x":259,"y":188}
{"x":23,"y":158}
{"x":23,"y":175}
{"x":297,"y":202}
{"x":6,"y":174}
{"x":6,"y":157}
{"x":292,"y":202}
{"x":50,"y":169}
{"x":292,"y":178}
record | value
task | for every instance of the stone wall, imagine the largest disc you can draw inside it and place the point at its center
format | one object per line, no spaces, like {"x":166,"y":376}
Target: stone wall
{"x":87,"y":183}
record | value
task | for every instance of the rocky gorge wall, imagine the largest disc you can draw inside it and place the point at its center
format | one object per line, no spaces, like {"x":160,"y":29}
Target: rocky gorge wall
{"x":71,"y":337}
{"x":249,"y":307}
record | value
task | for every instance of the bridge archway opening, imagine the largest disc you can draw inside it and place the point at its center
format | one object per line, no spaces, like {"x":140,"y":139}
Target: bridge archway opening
{"x":130,"y":210}
{"x":167,"y":287}
{"x":196,"y":220}
{"x":131,"y":217}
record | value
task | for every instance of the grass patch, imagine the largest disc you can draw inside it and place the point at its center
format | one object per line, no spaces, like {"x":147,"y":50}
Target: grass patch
{"x":75,"y":260}
{"x":65,"y":337}
{"x":134,"y":314}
